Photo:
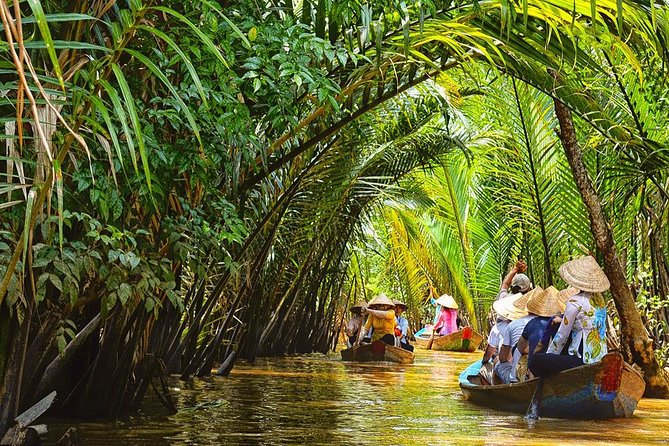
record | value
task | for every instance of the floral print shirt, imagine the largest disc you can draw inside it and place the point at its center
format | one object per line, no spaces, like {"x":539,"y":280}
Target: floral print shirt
{"x":586,"y":324}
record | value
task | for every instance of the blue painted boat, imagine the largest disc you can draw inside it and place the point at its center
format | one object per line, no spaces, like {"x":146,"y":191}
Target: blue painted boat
{"x":606,"y":389}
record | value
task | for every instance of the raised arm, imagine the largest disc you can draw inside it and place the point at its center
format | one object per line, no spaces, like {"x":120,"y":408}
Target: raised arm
{"x":519,"y":267}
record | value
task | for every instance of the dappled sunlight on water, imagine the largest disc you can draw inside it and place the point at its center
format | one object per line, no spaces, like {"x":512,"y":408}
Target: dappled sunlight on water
{"x":318,"y":399}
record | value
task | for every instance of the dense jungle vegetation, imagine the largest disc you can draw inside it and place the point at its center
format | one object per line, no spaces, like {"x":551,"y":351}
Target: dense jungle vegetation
{"x":188,"y":183}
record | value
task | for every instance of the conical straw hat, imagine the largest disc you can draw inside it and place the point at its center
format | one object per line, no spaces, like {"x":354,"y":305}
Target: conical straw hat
{"x":585,"y":274}
{"x":359,"y":305}
{"x":545,"y":303}
{"x":399,"y":303}
{"x":447,"y":301}
{"x":505,"y":307}
{"x":564,"y":295}
{"x":521,"y":303}
{"x":381,"y":299}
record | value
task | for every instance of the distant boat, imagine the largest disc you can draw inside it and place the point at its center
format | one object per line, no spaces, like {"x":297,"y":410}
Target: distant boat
{"x":464,"y":340}
{"x":606,"y":389}
{"x":377,"y":351}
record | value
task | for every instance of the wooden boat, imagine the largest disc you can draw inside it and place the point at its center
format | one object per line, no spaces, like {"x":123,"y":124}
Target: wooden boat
{"x":464,"y":340}
{"x":377,"y":351}
{"x":606,"y":389}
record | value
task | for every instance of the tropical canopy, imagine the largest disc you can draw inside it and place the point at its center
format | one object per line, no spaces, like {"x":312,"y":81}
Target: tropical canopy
{"x":186,"y":183}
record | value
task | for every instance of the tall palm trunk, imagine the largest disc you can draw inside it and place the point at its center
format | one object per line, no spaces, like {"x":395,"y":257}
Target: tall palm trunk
{"x":637,"y":346}
{"x":548,"y":270}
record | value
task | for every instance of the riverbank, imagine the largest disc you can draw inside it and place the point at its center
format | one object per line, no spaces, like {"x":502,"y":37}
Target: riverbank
{"x":318,"y":399}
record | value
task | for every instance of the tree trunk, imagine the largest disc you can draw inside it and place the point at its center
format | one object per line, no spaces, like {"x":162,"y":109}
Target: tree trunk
{"x":637,"y":346}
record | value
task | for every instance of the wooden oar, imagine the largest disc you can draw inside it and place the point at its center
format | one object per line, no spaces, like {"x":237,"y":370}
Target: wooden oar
{"x":429,"y":343}
{"x":535,"y":404}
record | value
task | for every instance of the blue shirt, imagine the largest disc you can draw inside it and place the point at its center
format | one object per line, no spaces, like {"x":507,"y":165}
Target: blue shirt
{"x":403,"y":325}
{"x":534,"y":331}
{"x":433,"y":301}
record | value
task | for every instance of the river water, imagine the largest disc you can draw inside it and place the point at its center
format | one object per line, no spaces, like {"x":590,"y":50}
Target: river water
{"x":318,"y":399}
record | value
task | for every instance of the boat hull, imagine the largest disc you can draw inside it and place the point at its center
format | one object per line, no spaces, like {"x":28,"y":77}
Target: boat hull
{"x":606,"y":389}
{"x":378,"y":352}
{"x":458,"y":341}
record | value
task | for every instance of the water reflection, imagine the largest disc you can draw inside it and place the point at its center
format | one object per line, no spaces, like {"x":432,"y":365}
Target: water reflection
{"x":320,"y":400}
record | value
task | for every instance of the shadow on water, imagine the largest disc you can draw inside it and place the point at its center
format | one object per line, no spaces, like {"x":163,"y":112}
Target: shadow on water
{"x":317,"y":399}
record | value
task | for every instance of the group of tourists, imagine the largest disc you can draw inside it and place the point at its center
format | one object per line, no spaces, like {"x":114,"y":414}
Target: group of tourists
{"x":541,"y":332}
{"x":384,"y":322}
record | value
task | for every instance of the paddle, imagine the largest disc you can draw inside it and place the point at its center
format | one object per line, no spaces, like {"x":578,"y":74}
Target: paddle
{"x":429,"y":343}
{"x":535,"y":404}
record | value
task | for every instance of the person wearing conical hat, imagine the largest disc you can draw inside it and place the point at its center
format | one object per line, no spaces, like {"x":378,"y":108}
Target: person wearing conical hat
{"x":508,"y":359}
{"x":507,"y":312}
{"x":402,"y":325}
{"x":516,"y":283}
{"x":355,"y":322}
{"x":381,"y":318}
{"x":546,"y":306}
{"x":448,"y":317}
{"x":584,"y":321}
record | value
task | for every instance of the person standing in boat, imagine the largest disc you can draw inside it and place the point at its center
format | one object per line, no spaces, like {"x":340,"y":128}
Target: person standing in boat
{"x":355,"y":322}
{"x":381,"y":311}
{"x":583,"y":322}
{"x":509,"y":357}
{"x":448,"y":317}
{"x":402,"y":325}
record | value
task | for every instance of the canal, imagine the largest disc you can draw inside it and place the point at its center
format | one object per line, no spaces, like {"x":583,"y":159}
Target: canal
{"x":318,"y":399}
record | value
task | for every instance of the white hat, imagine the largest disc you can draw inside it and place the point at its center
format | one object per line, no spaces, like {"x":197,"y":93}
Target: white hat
{"x":447,"y":301}
{"x":505,"y":307}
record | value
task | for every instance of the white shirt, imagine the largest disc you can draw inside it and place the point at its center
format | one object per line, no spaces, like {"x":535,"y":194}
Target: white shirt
{"x":510,"y":338}
{"x":495,"y":336}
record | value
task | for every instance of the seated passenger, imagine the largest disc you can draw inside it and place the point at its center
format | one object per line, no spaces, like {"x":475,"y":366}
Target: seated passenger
{"x":508,"y":357}
{"x":381,"y":319}
{"x":355,"y":323}
{"x":402,"y":325}
{"x":584,"y":321}
{"x":545,"y":306}
{"x":447,"y":322}
{"x":506,"y":313}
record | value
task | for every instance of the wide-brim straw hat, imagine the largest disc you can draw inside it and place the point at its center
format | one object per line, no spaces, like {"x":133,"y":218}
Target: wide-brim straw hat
{"x":522,"y":281}
{"x":545,"y":303}
{"x":381,"y":299}
{"x":399,"y":303}
{"x":447,"y":301}
{"x":505,"y":307}
{"x":359,"y":305}
{"x":521,"y":303}
{"x":585,"y":274}
{"x":564,"y":295}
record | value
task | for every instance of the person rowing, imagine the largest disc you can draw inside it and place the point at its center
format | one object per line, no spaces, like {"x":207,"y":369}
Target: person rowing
{"x":381,"y":318}
{"x":355,"y":322}
{"x":448,"y":317}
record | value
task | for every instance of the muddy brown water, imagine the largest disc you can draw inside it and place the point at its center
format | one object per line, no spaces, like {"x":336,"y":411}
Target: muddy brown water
{"x":318,"y":399}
